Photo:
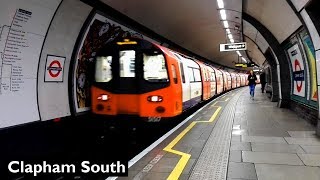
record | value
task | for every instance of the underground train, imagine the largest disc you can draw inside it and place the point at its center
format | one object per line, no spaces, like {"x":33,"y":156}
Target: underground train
{"x":138,"y":77}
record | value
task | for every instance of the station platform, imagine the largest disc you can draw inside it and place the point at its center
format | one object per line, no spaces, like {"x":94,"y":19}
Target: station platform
{"x":233,"y":138}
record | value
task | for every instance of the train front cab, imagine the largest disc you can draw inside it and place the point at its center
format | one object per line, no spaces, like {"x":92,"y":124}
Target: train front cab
{"x":136,"y":77}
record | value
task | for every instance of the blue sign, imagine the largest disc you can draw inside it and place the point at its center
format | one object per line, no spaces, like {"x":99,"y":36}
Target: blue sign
{"x":298,"y":75}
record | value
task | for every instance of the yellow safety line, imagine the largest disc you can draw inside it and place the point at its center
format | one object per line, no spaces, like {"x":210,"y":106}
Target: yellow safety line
{"x":175,"y":174}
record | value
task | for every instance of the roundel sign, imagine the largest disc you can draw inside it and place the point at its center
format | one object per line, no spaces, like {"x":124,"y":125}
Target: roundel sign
{"x":54,"y":69}
{"x":297,"y":68}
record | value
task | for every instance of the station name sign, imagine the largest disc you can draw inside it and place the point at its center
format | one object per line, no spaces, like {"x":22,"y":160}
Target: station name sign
{"x":233,"y":47}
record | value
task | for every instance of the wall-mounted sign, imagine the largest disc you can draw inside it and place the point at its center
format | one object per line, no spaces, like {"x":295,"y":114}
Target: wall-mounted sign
{"x":233,"y":47}
{"x":244,"y":65}
{"x":297,"y":70}
{"x":54,"y":68}
{"x":241,"y":65}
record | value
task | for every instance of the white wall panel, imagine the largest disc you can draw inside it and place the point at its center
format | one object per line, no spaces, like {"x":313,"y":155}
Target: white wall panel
{"x":299,"y":4}
{"x":61,"y":38}
{"x":262,"y":43}
{"x":312,"y":29}
{"x":276,"y":15}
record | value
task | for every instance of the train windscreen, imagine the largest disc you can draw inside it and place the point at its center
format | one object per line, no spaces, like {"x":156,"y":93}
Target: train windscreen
{"x":154,"y":67}
{"x":103,"y":69}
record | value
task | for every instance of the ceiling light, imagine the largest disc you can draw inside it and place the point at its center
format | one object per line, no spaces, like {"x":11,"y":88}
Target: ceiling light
{"x":228,"y":31}
{"x":220,"y":4}
{"x":232,"y":40}
{"x":225,"y":24}
{"x":239,"y":53}
{"x":223,"y":14}
{"x":244,"y":59}
{"x":230,"y":36}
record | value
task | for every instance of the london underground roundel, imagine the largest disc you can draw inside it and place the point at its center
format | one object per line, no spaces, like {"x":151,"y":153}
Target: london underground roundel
{"x":297,"y":71}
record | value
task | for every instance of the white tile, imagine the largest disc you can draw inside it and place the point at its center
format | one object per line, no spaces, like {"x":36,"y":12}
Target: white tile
{"x":285,"y":172}
{"x":311,"y":149}
{"x":240,"y":132}
{"x":271,"y":158}
{"x":303,"y":141}
{"x":302,"y":134}
{"x":262,"y":139}
{"x":277,"y":148}
{"x":241,"y":171}
{"x":310,"y":159}
{"x":243,"y":146}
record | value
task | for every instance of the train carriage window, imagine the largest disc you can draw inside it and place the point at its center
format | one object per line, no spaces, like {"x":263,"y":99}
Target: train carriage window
{"x":154,"y":67}
{"x":197,"y":76}
{"x":205,"y":76}
{"x":103,"y":69}
{"x":127,"y":63}
{"x":182,"y":73}
{"x":191,"y":76}
{"x":213,"y":77}
{"x":174,"y":74}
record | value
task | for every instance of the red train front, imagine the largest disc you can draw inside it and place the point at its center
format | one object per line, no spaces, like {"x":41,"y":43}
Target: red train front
{"x":136,"y":77}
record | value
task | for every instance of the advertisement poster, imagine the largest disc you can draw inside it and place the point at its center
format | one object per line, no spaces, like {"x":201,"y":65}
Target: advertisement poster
{"x":99,"y":32}
{"x":312,"y":66}
{"x":298,"y":73}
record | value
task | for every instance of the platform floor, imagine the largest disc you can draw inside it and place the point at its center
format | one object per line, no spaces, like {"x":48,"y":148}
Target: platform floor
{"x":236,"y":138}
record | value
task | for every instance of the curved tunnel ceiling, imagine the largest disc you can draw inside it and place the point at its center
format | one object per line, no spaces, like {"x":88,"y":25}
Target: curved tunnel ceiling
{"x":194,"y":25}
{"x":276,"y":15}
{"x":197,"y":25}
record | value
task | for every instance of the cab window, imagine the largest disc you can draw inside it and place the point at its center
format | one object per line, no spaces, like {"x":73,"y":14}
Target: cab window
{"x":103,"y":69}
{"x":154,"y":67}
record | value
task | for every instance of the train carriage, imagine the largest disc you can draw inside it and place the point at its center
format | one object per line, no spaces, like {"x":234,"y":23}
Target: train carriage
{"x":191,"y":81}
{"x":233,"y":80}
{"x":226,"y":80}
{"x":243,"y":79}
{"x":219,"y":80}
{"x":205,"y":78}
{"x":238,"y":80}
{"x":213,"y":81}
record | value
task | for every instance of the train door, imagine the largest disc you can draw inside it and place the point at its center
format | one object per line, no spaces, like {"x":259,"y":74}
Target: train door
{"x":186,"y":90}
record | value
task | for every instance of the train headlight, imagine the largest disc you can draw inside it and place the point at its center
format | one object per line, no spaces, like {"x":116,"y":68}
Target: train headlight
{"x":103,"y":97}
{"x":155,"y":98}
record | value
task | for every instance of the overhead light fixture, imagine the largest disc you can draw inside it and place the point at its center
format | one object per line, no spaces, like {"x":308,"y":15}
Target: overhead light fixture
{"x":232,"y":40}
{"x":220,"y":4}
{"x":239,"y":53}
{"x":228,"y":31}
{"x":244,"y":59}
{"x":225,"y":24}
{"x":223,"y":14}
{"x":230,"y":36}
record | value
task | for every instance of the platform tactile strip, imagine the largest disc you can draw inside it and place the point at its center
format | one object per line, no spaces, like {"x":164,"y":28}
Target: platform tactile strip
{"x":213,"y":160}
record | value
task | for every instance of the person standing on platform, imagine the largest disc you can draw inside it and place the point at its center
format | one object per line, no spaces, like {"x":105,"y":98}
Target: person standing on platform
{"x":252,"y":78}
{"x":263,"y":81}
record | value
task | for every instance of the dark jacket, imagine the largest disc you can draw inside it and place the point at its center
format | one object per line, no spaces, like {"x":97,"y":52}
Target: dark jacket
{"x":252,"y":79}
